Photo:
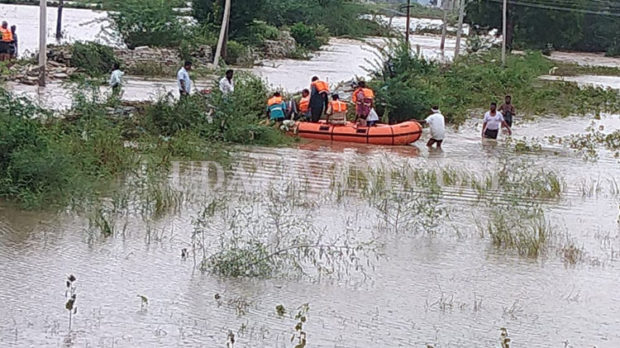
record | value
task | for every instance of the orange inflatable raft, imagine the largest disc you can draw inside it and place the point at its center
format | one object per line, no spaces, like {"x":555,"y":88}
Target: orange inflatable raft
{"x":380,"y":134}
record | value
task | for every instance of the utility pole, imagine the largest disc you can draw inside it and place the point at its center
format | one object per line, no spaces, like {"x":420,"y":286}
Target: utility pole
{"x":223,"y":31}
{"x":42,"y":41}
{"x":504,"y":19}
{"x":61,"y":4}
{"x":408,"y":22}
{"x":444,"y":28}
{"x":459,"y":32}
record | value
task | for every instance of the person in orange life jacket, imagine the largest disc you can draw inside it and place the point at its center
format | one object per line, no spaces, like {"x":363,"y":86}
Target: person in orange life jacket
{"x":318,"y":98}
{"x":363,"y":98}
{"x":338,"y":108}
{"x":276,"y":107}
{"x":304,"y":104}
{"x":6,"y":40}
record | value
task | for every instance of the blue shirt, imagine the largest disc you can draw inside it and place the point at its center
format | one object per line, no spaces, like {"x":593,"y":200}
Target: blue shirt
{"x":277,"y":110}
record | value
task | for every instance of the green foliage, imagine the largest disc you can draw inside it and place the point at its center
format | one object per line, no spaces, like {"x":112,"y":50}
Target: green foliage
{"x":93,"y":58}
{"x":148,"y":23}
{"x":259,"y":31}
{"x":407,"y":86}
{"x":168,"y":116}
{"x":43,"y":163}
{"x":242,"y":14}
{"x":238,"y":116}
{"x":310,"y":37}
{"x":235,"y":52}
{"x":534,"y":27}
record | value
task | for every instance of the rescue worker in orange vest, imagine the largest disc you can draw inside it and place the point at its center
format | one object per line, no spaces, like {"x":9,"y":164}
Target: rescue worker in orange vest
{"x":6,"y":40}
{"x":337,"y":111}
{"x":318,"y":98}
{"x":276,"y":108}
{"x":304,"y":104}
{"x":364,"y":99}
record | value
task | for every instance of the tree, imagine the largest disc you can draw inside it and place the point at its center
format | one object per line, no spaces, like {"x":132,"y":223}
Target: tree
{"x":579,"y":25}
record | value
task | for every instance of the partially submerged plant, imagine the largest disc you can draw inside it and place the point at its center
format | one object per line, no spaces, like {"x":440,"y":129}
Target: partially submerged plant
{"x":71,"y":297}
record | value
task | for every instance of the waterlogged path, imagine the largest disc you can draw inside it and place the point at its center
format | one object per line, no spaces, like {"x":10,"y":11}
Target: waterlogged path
{"x":449,"y":288}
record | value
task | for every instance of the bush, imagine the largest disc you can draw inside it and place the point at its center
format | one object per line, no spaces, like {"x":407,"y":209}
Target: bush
{"x":258,"y":32}
{"x":168,"y":116}
{"x":239,"y":116}
{"x":235,"y":52}
{"x":310,"y":37}
{"x":148,"y":23}
{"x":93,"y":58}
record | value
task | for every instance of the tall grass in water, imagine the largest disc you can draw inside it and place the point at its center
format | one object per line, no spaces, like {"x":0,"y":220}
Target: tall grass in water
{"x":269,"y":237}
{"x":519,"y":227}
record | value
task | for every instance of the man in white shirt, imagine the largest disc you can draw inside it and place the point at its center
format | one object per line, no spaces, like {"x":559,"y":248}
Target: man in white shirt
{"x":227,"y":85}
{"x":437,"y":124}
{"x":116,"y":79}
{"x":493,"y":120}
{"x":183,"y":80}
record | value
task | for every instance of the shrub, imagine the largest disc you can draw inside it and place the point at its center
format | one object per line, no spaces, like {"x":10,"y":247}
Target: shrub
{"x":93,"y":58}
{"x":310,"y":37}
{"x":148,"y":23}
{"x":167,"y":116}
{"x":239,"y":116}
{"x":235,"y":52}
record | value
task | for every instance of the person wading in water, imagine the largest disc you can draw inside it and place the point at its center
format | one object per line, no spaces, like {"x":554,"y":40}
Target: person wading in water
{"x":508,"y":110}
{"x":493,"y":120}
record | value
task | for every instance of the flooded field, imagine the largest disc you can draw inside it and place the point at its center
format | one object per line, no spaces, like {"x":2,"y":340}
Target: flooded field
{"x":612,"y":82}
{"x":78,"y":25}
{"x":432,"y":276}
{"x":387,"y":246}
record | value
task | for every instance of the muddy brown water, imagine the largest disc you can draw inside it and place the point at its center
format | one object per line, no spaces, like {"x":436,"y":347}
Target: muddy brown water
{"x":542,"y":303}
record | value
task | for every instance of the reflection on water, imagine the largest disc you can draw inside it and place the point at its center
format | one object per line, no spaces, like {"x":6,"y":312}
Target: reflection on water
{"x":450,"y":290}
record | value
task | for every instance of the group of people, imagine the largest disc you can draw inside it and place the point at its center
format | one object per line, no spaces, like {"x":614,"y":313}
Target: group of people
{"x":493,"y":120}
{"x":315,"y":103}
{"x":8,"y":42}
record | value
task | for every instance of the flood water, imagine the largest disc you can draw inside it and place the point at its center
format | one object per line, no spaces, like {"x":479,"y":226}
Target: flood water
{"x":448,"y":289}
{"x":78,"y":25}
{"x":452,"y":288}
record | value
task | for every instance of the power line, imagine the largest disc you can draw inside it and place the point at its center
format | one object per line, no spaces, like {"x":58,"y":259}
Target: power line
{"x":552,"y":7}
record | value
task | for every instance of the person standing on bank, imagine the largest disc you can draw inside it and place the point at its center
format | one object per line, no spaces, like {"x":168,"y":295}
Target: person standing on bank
{"x":183,"y":80}
{"x":6,"y":40}
{"x":318,"y":98}
{"x":14,"y":51}
{"x":493,"y":120}
{"x":116,"y":79}
{"x":227,"y":84}
{"x":437,"y":124}
{"x":508,"y":110}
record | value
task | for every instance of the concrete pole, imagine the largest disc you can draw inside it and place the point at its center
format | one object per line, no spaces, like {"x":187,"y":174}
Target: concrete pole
{"x":42,"y":41}
{"x":408,"y":22}
{"x":61,"y":5}
{"x":444,"y":27}
{"x":457,"y":48}
{"x":223,"y":31}
{"x":504,"y":19}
